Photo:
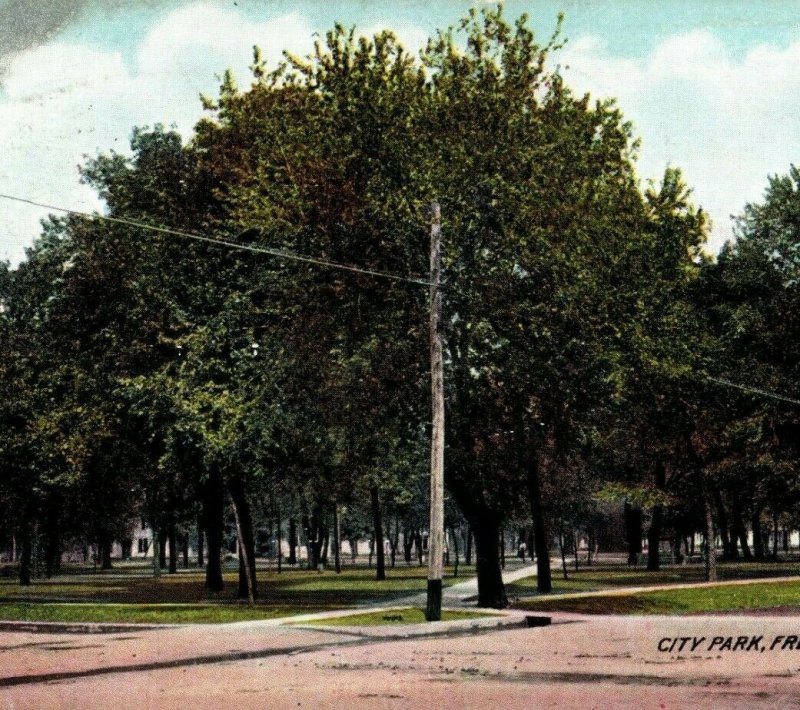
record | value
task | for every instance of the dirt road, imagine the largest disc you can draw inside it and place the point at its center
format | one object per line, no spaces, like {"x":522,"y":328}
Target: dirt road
{"x":577,"y":662}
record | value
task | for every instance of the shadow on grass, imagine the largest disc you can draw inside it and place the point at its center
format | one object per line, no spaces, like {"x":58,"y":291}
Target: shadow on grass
{"x":83,"y":597}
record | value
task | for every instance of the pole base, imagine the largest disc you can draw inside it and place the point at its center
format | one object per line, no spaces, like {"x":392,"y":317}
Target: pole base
{"x":433,"y":612}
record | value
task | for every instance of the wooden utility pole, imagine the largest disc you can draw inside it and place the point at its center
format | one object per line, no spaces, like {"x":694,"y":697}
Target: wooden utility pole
{"x":433,"y":611}
{"x":337,"y":545}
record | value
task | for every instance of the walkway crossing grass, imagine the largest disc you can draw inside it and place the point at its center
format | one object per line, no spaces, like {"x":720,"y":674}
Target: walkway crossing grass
{"x":776,"y":597}
{"x":131,"y":594}
{"x":394,"y":617}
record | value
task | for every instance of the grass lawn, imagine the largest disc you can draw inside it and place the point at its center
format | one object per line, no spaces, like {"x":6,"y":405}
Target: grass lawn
{"x":766,"y":595}
{"x":129,"y":593}
{"x":139,"y":613}
{"x":389,"y":617}
{"x":589,"y":579}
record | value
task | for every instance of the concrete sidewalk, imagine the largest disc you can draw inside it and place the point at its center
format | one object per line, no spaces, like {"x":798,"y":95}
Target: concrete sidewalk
{"x":465,"y":593}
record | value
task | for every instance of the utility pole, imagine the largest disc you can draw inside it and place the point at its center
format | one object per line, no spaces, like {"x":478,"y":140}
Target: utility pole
{"x":433,"y":611}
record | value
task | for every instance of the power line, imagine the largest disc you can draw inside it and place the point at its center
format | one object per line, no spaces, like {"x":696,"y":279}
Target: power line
{"x":753,"y":390}
{"x":280,"y":253}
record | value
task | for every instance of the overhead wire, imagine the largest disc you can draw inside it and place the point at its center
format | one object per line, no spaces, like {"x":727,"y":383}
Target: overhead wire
{"x":280,"y":253}
{"x":752,"y":390}
{"x":283,"y":254}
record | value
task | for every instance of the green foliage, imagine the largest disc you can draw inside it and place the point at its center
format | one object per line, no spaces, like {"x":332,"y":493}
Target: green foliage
{"x":149,"y":364}
{"x":752,"y":295}
{"x":637,"y":496}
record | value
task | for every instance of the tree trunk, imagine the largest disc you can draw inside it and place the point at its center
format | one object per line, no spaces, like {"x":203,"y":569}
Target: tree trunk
{"x":468,"y":545}
{"x":325,"y":540}
{"x":292,"y":541}
{"x":309,"y":528}
{"x":656,"y":521}
{"x":544,"y":581}
{"x":408,"y":544}
{"x":155,"y":545}
{"x":104,"y":549}
{"x":314,"y":536}
{"x":633,"y":532}
{"x":677,"y":555}
{"x":654,"y":540}
{"x":739,"y":529}
{"x":279,"y":556}
{"x":162,"y":549}
{"x":337,"y":562}
{"x":776,"y":533}
{"x":200,"y":557}
{"x":377,"y":523}
{"x":575,"y":547}
{"x":105,"y":553}
{"x":454,"y":538}
{"x":491,"y":591}
{"x":172,"y":539}
{"x":185,"y":549}
{"x":758,"y":540}
{"x":52,"y":554}
{"x":371,"y":550}
{"x":248,"y":584}
{"x":722,"y":524}
{"x":26,"y":553}
{"x":213,"y":522}
{"x":394,"y":542}
{"x":711,"y":547}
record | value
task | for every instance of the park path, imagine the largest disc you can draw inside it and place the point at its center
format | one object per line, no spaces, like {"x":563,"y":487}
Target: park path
{"x":466,"y":593}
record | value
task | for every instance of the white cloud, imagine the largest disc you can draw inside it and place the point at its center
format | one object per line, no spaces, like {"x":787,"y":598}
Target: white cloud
{"x":65,"y":101}
{"x":412,"y":38}
{"x":191,"y":48}
{"x":726,"y":122}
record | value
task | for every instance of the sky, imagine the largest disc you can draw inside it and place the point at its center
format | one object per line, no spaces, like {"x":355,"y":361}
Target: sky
{"x":711,"y":86}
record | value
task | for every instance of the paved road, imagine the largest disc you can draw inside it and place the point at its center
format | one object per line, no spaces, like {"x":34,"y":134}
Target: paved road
{"x":581,"y":662}
{"x":726,"y":661}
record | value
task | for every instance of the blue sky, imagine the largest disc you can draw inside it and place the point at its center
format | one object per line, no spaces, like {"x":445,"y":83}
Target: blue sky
{"x":711,"y":87}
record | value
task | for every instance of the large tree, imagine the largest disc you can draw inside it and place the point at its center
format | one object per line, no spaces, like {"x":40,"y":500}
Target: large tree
{"x":315,"y":184}
{"x":338,"y":156}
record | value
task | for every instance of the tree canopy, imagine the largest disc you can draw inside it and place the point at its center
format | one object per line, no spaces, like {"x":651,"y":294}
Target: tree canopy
{"x":251,"y":322}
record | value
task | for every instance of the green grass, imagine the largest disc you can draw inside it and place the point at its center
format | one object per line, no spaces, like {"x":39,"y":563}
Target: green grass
{"x":589,"y":579}
{"x":139,"y":613}
{"x":768,"y":595}
{"x":389,"y":617}
{"x":129,"y":593}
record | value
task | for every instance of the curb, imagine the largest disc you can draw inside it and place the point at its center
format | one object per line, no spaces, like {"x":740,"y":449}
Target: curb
{"x":60,"y":627}
{"x":426,"y":630}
